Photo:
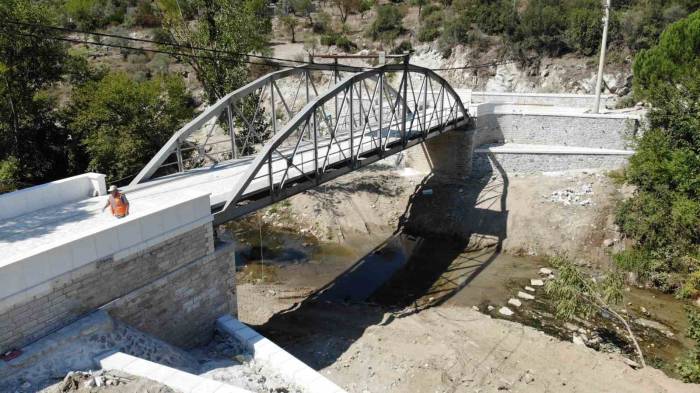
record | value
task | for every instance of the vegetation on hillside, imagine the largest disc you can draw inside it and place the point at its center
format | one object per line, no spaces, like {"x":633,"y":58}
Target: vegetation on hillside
{"x":663,"y":215}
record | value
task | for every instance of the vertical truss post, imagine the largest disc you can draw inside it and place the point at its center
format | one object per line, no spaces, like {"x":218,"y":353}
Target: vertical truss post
{"x":272,"y":107}
{"x":404,"y":107}
{"x":308,"y":98}
{"x":352,"y":131}
{"x":426,"y":126}
{"x":178,"y":153}
{"x":381,"y":110}
{"x":315,"y":148}
{"x":231,"y":131}
{"x":335,"y":81}
{"x":442,"y":104}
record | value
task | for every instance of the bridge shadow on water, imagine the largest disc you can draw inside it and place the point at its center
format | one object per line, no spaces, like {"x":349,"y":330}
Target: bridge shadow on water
{"x":448,"y":235}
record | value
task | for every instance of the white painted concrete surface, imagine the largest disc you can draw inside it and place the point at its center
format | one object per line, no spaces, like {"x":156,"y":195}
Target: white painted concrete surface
{"x":43,"y":245}
{"x":178,"y":380}
{"x":56,"y":193}
{"x":515,"y":148}
{"x":285,"y":364}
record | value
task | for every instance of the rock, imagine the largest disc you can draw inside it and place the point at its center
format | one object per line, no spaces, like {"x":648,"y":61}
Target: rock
{"x":524,"y":295}
{"x":515,"y":302}
{"x":578,"y":340}
{"x":571,"y":326}
{"x":545,"y":271}
{"x":505,"y":311}
{"x":652,"y":324}
{"x":644,"y":310}
{"x":475,"y":308}
{"x":530,"y":289}
{"x":608,"y":243}
{"x":631,"y":363}
{"x":535,"y":282}
{"x":490,"y":307}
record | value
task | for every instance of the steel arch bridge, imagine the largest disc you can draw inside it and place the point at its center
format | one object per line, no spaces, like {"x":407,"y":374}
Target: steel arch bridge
{"x":291,"y":130}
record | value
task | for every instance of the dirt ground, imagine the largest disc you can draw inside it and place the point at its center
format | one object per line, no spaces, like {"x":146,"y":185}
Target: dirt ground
{"x":440,"y":349}
{"x":444,"y":345}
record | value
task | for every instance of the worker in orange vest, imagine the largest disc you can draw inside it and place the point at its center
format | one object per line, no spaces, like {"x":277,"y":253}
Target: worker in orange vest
{"x":117,"y":202}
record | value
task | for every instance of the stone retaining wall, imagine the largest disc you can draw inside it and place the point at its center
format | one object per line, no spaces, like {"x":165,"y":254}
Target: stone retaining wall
{"x":155,"y":273}
{"x":603,"y":132}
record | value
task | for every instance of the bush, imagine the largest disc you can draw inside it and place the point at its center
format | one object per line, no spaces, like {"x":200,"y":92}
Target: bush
{"x":689,"y":366}
{"x":322,"y":24}
{"x":388,"y":23}
{"x":542,"y":27}
{"x":145,"y":15}
{"x":585,"y":28}
{"x":403,"y":47}
{"x":431,"y":20}
{"x":339,"y":40}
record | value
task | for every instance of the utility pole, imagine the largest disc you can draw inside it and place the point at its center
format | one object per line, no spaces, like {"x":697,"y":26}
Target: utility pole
{"x":603,"y":44}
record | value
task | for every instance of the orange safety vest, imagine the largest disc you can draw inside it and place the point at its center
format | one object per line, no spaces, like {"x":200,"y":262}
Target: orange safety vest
{"x":119,"y":205}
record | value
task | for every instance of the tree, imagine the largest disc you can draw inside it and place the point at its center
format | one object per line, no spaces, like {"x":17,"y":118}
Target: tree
{"x":346,"y":7}
{"x":663,"y":215}
{"x":32,"y":142}
{"x":672,"y":61}
{"x":290,"y":22}
{"x":234,"y":28}
{"x":122,"y":123}
{"x":303,"y":8}
{"x":575,"y":294}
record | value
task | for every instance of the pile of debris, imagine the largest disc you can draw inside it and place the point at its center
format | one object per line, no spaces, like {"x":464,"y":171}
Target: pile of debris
{"x":75,"y":380}
{"x":579,"y":195}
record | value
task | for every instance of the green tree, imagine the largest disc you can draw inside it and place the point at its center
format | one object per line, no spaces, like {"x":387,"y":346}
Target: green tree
{"x":290,"y":22}
{"x":584,"y":27}
{"x":576,"y":294}
{"x":122,"y":123}
{"x":238,"y":27}
{"x":542,"y":26}
{"x":663,"y":215}
{"x":32,"y":143}
{"x":672,"y":61}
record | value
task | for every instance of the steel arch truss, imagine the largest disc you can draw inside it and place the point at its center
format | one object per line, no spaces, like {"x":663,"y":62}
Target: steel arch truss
{"x":238,"y":125}
{"x":358,"y":121}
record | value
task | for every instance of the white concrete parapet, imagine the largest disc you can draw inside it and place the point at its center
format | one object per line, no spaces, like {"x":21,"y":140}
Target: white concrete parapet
{"x":33,"y":271}
{"x":285,"y":364}
{"x":178,"y":380}
{"x":55,"y":193}
{"x":552,"y":99}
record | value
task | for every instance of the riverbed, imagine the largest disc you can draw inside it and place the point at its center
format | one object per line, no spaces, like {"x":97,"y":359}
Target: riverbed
{"x":404,"y":274}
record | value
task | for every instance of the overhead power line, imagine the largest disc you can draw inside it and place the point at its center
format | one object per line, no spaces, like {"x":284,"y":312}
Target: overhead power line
{"x":270,"y":59}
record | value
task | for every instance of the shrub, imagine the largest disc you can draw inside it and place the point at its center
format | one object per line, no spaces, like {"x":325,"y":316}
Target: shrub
{"x":322,"y":24}
{"x":584,"y":28}
{"x":542,"y":27}
{"x":431,"y":20}
{"x":388,"y":23}
{"x":689,"y":366}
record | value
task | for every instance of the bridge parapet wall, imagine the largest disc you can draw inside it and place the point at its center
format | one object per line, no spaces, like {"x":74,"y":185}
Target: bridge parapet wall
{"x":170,"y":285}
{"x":51,"y":194}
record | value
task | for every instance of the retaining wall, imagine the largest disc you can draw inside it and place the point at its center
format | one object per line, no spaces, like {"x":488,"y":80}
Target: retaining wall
{"x":175,"y":283}
{"x":582,"y":129}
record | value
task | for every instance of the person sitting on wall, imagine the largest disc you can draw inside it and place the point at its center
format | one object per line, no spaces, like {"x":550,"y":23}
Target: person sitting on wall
{"x":117,"y":202}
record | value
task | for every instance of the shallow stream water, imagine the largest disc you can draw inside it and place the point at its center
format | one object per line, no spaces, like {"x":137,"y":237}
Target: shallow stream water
{"x":406,"y":272}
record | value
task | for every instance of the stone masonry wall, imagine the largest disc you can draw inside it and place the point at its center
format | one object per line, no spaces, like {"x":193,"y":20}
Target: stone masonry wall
{"x":182,"y":307}
{"x":485,"y":163}
{"x":581,"y":131}
{"x":91,"y":286}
